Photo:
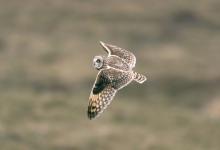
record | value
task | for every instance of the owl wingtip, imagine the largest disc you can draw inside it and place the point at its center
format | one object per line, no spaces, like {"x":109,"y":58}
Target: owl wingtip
{"x":101,"y":42}
{"x":105,"y":46}
{"x":91,"y":115}
{"x":92,"y":111}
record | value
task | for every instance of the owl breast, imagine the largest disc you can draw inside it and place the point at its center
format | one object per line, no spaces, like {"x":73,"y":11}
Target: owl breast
{"x":117,"y":63}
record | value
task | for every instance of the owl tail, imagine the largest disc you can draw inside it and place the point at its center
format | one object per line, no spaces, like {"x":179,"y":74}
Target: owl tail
{"x":139,"y":78}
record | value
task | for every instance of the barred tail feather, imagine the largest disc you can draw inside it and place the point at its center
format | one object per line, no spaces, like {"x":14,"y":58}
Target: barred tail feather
{"x":139,"y":78}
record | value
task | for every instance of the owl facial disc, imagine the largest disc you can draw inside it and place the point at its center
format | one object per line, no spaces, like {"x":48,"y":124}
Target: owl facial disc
{"x":98,"y":62}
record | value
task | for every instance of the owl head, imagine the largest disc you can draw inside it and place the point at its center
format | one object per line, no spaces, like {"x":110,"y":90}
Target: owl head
{"x":98,"y":62}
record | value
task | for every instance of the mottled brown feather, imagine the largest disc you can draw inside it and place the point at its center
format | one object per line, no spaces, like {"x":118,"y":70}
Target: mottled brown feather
{"x":126,"y":55}
{"x":98,"y":102}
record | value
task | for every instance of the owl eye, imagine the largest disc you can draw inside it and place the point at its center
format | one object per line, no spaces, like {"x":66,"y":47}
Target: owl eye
{"x":98,"y":60}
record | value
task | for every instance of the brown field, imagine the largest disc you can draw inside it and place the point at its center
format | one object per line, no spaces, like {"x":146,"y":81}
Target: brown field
{"x":46,"y":74}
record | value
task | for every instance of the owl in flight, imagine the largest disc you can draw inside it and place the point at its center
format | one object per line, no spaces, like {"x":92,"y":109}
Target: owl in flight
{"x":115,"y":72}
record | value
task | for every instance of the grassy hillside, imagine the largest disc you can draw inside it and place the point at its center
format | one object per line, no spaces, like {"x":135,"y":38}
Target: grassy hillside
{"x":46,"y":74}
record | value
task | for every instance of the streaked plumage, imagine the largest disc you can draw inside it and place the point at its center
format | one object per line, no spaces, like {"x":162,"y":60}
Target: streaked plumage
{"x":115,"y":72}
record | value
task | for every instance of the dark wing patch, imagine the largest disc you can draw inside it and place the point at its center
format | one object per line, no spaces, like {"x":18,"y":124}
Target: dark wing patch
{"x":101,"y":82}
{"x":101,"y":94}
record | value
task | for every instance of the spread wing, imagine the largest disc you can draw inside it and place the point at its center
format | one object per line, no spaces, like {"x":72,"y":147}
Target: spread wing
{"x":127,"y":56}
{"x":107,"y":83}
{"x":101,"y":95}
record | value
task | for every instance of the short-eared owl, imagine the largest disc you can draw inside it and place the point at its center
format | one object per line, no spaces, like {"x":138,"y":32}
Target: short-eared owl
{"x":115,"y":72}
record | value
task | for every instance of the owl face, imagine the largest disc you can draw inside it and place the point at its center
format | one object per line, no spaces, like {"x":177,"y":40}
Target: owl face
{"x":98,"y":62}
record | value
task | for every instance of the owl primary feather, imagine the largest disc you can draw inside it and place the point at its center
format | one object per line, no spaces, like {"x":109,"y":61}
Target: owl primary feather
{"x":115,"y":72}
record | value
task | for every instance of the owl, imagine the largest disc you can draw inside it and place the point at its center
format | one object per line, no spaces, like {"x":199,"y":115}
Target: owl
{"x":115,"y":72}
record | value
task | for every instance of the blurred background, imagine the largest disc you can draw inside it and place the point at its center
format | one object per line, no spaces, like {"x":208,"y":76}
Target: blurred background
{"x":46,"y":74}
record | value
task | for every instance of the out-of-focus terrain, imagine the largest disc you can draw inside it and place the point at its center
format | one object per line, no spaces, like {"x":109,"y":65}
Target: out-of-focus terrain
{"x":46,"y":74}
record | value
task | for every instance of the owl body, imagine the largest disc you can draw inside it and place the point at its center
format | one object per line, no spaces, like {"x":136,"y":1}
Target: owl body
{"x":117,"y":78}
{"x":117,"y":63}
{"x":115,"y":72}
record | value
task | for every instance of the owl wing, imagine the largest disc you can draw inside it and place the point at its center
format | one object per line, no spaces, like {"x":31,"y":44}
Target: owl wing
{"x":126,"y":55}
{"x":101,"y":95}
{"x":107,"y":83}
